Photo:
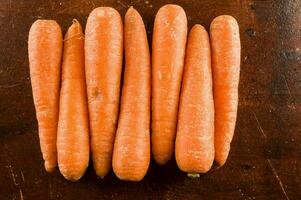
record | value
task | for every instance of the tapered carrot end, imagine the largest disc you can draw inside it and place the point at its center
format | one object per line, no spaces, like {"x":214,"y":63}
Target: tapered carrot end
{"x":101,"y":170}
{"x":132,"y":18}
{"x":198,"y":27}
{"x":194,"y":165}
{"x":72,"y":178}
{"x":75,"y":30}
{"x":127,"y":172}
{"x":198,"y":169}
{"x":221,"y":157}
{"x":50,"y":166}
{"x":171,"y":7}
{"x":131,"y":11}
{"x":132,"y":171}
{"x":132,"y":15}
{"x":126,"y":178}
{"x":101,"y":174}
{"x":162,"y":159}
{"x":50,"y":158}
{"x":162,"y":149}
{"x":220,"y":161}
{"x":101,"y":12}
{"x":71,"y":174}
{"x":222,"y":20}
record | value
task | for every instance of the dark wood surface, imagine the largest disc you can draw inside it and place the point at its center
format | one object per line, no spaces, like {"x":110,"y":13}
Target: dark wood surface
{"x":264,"y":162}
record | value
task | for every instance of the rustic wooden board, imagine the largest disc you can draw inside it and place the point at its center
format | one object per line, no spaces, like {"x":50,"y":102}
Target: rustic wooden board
{"x":264,"y":162}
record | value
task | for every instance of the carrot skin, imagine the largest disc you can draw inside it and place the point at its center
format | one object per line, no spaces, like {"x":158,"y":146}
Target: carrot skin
{"x":194,"y":147}
{"x":131,"y":155}
{"x":169,"y":41}
{"x":226,"y":50}
{"x":44,"y":52}
{"x":73,"y":131}
{"x":103,"y":50}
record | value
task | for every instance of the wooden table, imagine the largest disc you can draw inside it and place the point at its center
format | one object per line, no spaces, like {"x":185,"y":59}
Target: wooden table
{"x":264,"y":162}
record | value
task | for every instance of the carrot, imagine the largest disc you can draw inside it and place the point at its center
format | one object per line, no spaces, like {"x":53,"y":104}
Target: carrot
{"x":44,"y":52}
{"x":195,"y":132}
{"x":169,"y":41}
{"x":225,"y":41}
{"x":131,"y":154}
{"x":103,"y":50}
{"x":73,"y":132}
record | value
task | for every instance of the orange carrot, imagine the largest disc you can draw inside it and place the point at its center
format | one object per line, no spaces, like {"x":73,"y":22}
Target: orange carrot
{"x":103,"y":50}
{"x":131,"y":155}
{"x":44,"y":51}
{"x":169,"y":41}
{"x":73,"y":132}
{"x":225,"y":41}
{"x":195,"y":133}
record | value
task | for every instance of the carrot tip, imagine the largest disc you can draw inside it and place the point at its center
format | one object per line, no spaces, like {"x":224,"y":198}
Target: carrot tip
{"x":75,"y":30}
{"x":131,"y":12}
{"x":49,"y":168}
{"x":72,"y":176}
{"x":219,"y":164}
{"x":193,"y":175}
{"x":74,"y":21}
{"x":73,"y":179}
{"x":162,"y":160}
{"x":101,"y":173}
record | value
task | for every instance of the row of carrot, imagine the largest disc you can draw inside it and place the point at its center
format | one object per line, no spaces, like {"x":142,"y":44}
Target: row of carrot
{"x":77,"y":102}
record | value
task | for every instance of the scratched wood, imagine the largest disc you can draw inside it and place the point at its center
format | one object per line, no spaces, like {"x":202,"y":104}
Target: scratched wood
{"x":264,"y":162}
